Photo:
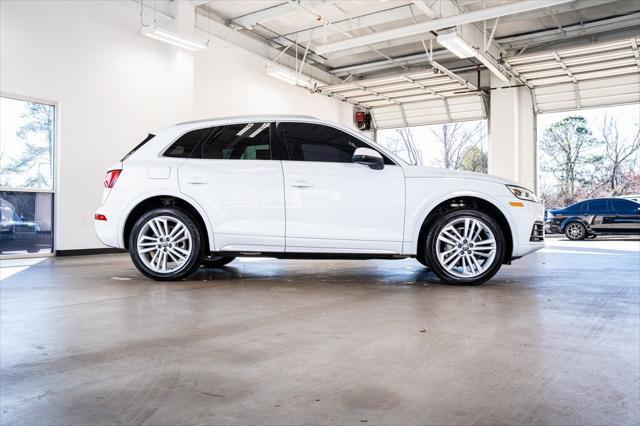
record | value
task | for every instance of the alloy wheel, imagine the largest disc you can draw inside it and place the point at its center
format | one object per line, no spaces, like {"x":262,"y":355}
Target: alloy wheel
{"x":466,"y":247}
{"x":164,"y":244}
{"x":575,"y":231}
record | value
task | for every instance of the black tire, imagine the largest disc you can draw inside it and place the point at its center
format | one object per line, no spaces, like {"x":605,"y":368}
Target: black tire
{"x":575,"y":231}
{"x":216,"y":261}
{"x":441,"y":223}
{"x":194,"y":259}
{"x":423,"y":261}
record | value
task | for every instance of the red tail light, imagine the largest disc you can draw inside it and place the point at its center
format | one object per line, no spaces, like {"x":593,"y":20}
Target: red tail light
{"x":100,"y":217}
{"x":112,"y":177}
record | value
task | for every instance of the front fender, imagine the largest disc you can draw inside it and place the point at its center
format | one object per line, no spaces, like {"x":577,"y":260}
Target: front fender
{"x":427,"y":206}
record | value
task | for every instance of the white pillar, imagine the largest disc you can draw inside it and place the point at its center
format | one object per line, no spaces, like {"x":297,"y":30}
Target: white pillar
{"x":512,"y":138}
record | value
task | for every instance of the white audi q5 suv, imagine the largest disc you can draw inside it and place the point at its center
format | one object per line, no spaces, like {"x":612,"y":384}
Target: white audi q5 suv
{"x":204,"y":192}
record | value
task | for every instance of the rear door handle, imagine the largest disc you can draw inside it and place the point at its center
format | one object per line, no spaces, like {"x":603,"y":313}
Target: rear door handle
{"x":197,"y":181}
{"x":301,"y":183}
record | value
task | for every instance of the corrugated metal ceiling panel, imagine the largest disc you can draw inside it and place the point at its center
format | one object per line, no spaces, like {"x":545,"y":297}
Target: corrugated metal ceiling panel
{"x":597,"y":75}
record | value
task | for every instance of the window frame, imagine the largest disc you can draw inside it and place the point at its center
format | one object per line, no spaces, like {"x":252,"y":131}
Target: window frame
{"x":285,"y":148}
{"x":54,"y":176}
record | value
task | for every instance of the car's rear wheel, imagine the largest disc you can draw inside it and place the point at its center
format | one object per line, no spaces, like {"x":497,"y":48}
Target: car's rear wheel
{"x":166,"y":244}
{"x":212,"y":261}
{"x":575,"y":231}
{"x":465,"y":247}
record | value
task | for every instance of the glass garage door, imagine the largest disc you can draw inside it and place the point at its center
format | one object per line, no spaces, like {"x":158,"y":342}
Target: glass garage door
{"x":27,"y":134}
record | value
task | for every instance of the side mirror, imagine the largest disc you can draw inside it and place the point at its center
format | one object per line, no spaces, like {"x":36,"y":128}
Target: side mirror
{"x":368,"y":157}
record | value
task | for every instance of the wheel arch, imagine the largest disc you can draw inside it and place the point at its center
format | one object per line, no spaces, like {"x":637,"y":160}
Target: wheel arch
{"x":578,"y":219}
{"x":466,"y":201}
{"x":143,"y":205}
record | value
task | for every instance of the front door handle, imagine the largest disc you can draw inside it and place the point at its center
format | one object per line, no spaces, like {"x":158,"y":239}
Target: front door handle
{"x":300,"y":183}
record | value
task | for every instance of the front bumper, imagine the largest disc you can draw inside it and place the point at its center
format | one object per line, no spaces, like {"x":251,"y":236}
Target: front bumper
{"x":527,"y":226}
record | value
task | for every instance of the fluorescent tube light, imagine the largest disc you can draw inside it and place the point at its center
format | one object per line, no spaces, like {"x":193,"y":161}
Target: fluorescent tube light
{"x":457,"y":45}
{"x":291,"y":77}
{"x":173,"y":38}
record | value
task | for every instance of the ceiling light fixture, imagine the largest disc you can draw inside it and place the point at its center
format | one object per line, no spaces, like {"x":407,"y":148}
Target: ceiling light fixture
{"x":292,"y":77}
{"x":173,"y":38}
{"x":459,"y":47}
{"x":456,"y":45}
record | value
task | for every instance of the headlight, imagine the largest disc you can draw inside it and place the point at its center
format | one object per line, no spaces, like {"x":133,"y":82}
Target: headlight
{"x":523,"y":193}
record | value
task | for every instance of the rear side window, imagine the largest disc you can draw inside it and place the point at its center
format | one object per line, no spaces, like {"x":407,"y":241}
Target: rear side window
{"x":145,"y":140}
{"x":247,"y":141}
{"x":598,"y":206}
{"x":184,"y":146}
{"x":625,"y":206}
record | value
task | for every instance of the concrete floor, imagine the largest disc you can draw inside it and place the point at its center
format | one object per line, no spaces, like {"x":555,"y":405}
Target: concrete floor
{"x":553,"y":339}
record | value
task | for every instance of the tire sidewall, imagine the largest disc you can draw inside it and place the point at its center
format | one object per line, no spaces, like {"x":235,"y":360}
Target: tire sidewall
{"x":431,"y":241}
{"x":197,"y":253}
{"x":217,"y":263}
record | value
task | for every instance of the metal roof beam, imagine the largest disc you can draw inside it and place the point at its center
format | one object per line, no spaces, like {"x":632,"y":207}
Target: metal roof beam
{"x":439,"y":24}
{"x":250,"y":20}
{"x":352,"y":24}
{"x":425,"y":8}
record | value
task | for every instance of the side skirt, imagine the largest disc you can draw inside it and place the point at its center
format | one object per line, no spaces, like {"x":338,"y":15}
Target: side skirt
{"x":334,"y":256}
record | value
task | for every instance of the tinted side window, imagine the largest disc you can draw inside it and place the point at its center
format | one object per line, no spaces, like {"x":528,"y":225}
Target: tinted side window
{"x":598,"y":206}
{"x":183,"y":147}
{"x":625,"y":206}
{"x":315,"y":142}
{"x":578,"y":207}
{"x":247,"y":141}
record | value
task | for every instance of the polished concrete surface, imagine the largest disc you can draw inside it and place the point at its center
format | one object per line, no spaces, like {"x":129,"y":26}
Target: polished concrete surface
{"x":553,"y":339}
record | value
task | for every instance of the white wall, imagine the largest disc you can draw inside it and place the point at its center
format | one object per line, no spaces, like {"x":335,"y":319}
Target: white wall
{"x":231,"y":82}
{"x":112,"y":86}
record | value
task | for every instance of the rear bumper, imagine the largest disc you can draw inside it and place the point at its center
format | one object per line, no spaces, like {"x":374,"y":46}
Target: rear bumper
{"x":106,"y":232}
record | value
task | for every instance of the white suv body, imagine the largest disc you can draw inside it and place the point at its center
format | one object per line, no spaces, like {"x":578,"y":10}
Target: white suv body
{"x":296,"y":186}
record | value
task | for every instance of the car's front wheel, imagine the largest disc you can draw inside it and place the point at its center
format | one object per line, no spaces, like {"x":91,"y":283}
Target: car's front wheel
{"x":575,"y":231}
{"x":465,"y":247}
{"x":166,"y":244}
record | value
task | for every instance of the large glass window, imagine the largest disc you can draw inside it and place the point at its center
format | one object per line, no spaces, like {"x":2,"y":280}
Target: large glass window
{"x":314,"y":142}
{"x":27,"y":132}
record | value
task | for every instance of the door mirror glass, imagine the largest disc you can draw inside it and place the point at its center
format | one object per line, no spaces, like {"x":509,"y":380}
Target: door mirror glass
{"x":368,"y":157}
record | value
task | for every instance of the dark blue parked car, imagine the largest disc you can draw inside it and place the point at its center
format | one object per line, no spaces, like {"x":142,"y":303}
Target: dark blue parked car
{"x":602,"y":216}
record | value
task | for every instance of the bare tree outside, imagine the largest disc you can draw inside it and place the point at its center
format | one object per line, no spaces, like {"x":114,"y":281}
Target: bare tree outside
{"x":452,"y":145}
{"x":26,"y":149}
{"x":454,"y":140}
{"x":620,"y":157}
{"x":566,"y":145}
{"x":592,"y":154}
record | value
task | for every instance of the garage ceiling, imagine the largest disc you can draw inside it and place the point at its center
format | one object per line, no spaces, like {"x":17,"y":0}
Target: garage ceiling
{"x":574,"y":54}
